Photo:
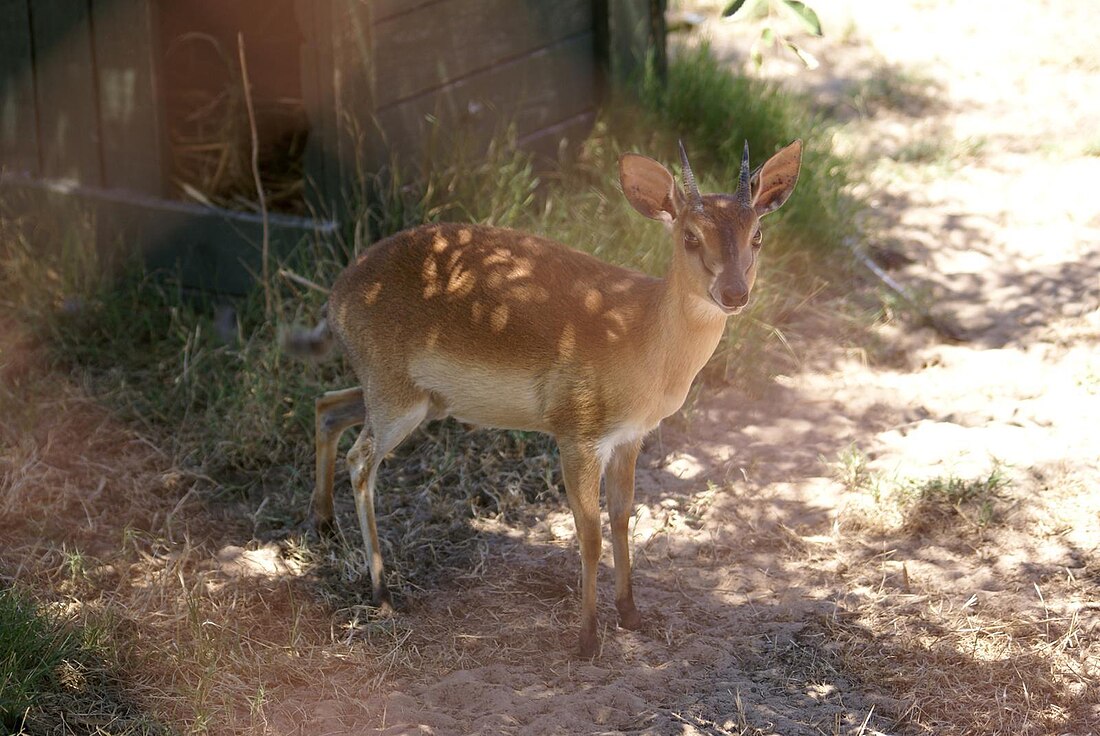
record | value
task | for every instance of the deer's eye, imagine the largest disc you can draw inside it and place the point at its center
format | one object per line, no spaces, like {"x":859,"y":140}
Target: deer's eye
{"x":757,"y":238}
{"x":691,"y":241}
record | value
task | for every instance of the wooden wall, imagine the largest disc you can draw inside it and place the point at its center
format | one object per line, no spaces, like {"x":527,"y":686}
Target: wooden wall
{"x":474,"y":64}
{"x":63,"y":116}
{"x":82,"y":99}
{"x":414,"y":76}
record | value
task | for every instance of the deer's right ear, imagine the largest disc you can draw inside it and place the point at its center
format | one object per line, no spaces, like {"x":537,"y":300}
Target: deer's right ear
{"x":650,"y":188}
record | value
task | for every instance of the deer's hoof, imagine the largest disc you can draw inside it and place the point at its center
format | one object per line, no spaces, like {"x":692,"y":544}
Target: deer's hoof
{"x":589,"y":643}
{"x":321,"y":528}
{"x":383,"y":602}
{"x":629,"y":618}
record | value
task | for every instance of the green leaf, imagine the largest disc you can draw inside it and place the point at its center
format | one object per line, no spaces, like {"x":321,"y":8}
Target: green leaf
{"x":808,"y":59}
{"x":732,"y":8}
{"x":806,"y":14}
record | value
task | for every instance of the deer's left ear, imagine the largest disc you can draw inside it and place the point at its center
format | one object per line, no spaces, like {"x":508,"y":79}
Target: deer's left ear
{"x":773,"y":182}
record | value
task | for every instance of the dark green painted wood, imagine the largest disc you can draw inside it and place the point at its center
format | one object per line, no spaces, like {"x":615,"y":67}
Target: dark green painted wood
{"x":132,"y":142}
{"x":211,"y":250}
{"x":208,"y":248}
{"x":534,"y":92}
{"x":68,"y":119}
{"x":18,"y":126}
{"x":425,"y":49}
{"x":321,"y":157}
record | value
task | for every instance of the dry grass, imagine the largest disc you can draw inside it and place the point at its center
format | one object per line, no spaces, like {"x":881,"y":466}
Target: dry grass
{"x":959,"y":648}
{"x":959,"y":665}
{"x":165,"y":513}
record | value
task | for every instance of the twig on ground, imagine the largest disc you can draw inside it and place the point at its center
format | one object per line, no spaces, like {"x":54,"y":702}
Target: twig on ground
{"x":946,"y":330}
{"x":302,"y":280}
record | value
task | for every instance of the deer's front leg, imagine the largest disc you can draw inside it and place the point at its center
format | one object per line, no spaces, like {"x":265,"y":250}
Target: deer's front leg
{"x":581,"y":472}
{"x":619,"y":482}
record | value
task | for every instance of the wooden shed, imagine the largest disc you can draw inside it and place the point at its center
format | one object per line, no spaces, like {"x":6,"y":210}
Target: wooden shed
{"x":138,"y":107}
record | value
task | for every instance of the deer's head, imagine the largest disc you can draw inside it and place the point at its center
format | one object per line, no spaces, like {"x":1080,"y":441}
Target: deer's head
{"x":717,"y":236}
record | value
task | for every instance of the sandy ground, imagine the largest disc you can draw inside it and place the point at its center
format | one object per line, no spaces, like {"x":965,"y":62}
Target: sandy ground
{"x":792,"y":580}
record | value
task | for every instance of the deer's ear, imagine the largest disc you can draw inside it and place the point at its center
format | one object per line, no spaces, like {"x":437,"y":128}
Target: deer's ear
{"x":649,"y":187}
{"x":773,"y":182}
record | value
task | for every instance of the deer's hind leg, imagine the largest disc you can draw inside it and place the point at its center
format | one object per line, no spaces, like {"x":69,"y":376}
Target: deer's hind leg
{"x":387,"y":426}
{"x":336,"y":412}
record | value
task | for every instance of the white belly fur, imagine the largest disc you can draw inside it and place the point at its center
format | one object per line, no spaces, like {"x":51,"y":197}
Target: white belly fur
{"x":495,"y":397}
{"x":477,"y":395}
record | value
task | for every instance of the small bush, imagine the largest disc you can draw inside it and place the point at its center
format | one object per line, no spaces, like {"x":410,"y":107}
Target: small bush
{"x":49,"y":669}
{"x":32,"y":649}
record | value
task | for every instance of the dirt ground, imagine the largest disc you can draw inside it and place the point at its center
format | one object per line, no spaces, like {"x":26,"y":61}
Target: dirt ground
{"x":900,"y":535}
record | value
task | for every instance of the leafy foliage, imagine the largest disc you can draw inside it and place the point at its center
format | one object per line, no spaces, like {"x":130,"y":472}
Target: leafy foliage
{"x":770,"y":34}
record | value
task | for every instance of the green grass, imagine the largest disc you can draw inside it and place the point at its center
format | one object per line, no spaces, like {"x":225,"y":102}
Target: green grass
{"x":49,"y":669}
{"x":32,"y":650}
{"x":918,"y":505}
{"x":974,"y":499}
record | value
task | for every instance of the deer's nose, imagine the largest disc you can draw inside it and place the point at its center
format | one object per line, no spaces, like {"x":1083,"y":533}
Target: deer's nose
{"x":734,"y":296}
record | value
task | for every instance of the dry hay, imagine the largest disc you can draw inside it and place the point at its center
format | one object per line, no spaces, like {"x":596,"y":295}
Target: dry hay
{"x":209,"y":133}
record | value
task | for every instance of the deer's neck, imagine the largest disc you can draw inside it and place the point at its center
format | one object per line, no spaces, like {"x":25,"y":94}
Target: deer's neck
{"x":687,"y":330}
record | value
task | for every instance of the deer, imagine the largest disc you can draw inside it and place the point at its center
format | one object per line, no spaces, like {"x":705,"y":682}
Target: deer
{"x":505,"y":329}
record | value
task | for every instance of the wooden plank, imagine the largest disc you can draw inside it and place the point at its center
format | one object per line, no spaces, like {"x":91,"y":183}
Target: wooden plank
{"x":423,"y":50}
{"x":533,"y":92}
{"x":546,"y":143}
{"x":601,"y":31}
{"x":384,"y":9}
{"x":18,"y":124}
{"x":132,"y":140}
{"x":321,"y":162}
{"x":629,"y":25}
{"x":658,"y":38}
{"x":637,"y":33}
{"x":68,"y":122}
{"x":362,"y":150}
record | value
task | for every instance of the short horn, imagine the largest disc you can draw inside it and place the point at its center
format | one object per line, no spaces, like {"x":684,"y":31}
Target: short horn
{"x":695,"y":199}
{"x":744,"y":193}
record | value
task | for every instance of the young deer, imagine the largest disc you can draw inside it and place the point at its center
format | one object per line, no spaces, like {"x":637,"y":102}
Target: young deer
{"x":504,"y":329}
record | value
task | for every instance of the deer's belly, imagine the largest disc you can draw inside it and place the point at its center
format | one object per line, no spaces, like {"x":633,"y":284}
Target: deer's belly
{"x":498,"y":397}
